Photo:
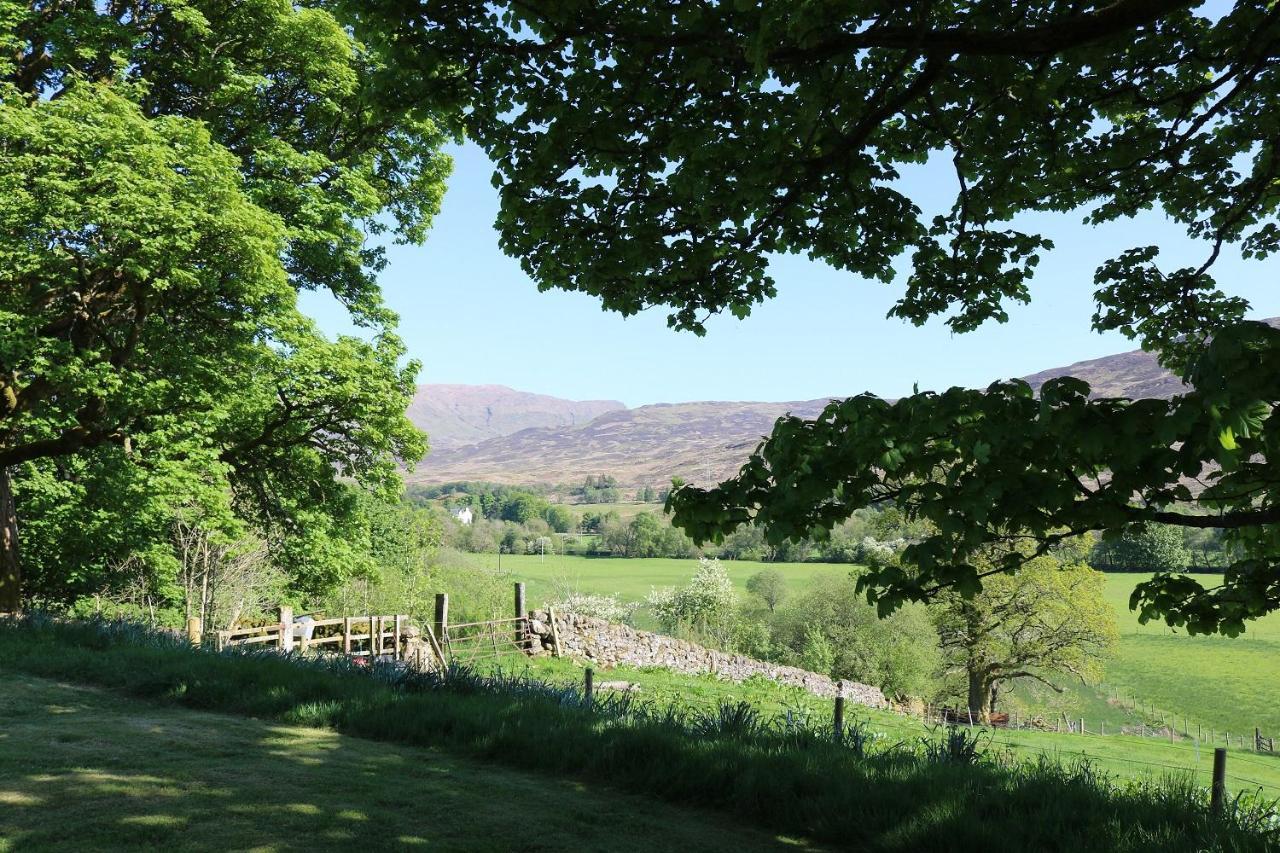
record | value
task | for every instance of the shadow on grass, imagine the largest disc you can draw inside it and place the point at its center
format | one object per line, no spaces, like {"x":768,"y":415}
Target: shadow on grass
{"x":788,"y":781}
{"x":84,"y":770}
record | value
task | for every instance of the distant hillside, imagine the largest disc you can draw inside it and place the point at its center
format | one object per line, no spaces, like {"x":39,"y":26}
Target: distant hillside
{"x":459,"y":415}
{"x":1133,"y":374}
{"x":698,"y":442}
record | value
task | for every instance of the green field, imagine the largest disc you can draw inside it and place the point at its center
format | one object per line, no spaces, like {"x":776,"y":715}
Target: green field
{"x":148,"y":767}
{"x":1220,"y":684}
{"x":84,"y":769}
{"x":629,"y":579}
{"x":624,"y":509}
{"x":1119,"y":755}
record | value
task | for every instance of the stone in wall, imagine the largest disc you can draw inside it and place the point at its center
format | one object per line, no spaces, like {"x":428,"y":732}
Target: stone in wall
{"x":607,"y":644}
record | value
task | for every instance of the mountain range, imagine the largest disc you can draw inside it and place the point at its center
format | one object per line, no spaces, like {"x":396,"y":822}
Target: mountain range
{"x":497,"y":434}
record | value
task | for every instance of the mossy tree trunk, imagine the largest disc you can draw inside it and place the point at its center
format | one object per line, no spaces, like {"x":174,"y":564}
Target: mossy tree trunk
{"x":10,"y":574}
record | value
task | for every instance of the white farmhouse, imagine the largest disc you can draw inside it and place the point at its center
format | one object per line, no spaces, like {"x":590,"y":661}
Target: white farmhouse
{"x":464,"y":515}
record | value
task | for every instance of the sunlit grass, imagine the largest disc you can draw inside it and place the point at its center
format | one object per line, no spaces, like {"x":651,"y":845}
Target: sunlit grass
{"x":174,"y":779}
{"x":790,"y":779}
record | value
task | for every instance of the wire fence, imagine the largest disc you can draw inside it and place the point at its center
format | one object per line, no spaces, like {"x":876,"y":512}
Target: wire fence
{"x":1198,"y":754}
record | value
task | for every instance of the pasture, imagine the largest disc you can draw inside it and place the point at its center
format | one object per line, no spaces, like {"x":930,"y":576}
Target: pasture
{"x":1121,"y":756}
{"x":630,"y":579}
{"x":1219,"y":683}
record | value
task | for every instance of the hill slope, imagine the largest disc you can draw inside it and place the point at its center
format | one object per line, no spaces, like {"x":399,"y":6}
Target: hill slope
{"x":699,"y":442}
{"x":1133,"y":374}
{"x":459,"y":415}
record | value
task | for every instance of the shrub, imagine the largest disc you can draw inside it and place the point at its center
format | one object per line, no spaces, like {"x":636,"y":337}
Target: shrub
{"x":705,"y":606}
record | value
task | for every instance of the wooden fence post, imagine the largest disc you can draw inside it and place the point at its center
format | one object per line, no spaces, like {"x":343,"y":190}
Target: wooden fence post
{"x":346,"y":635}
{"x":1257,"y":739}
{"x":395,"y":636}
{"x":286,"y":629}
{"x":1082,"y":725}
{"x":375,"y":636}
{"x":442,"y":616}
{"x":588,"y":687}
{"x":522,"y":633}
{"x":1219,"y":789}
{"x":194,"y":630}
{"x":436,"y":650}
{"x":837,"y":727}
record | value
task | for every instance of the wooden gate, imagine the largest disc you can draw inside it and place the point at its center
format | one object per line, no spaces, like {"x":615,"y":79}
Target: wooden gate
{"x":467,"y":642}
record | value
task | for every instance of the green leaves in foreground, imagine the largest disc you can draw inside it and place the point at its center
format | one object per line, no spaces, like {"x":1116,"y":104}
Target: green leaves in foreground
{"x":173,"y":176}
{"x":1005,"y":467}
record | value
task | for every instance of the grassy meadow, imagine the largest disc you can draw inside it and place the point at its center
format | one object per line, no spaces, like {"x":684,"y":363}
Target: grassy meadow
{"x":1126,"y":757}
{"x":310,"y":753}
{"x":1220,"y":684}
{"x":86,"y":769}
{"x":628,"y":578}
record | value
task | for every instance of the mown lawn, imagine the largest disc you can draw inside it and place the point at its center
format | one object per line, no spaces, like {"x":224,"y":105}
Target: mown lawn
{"x":84,"y":769}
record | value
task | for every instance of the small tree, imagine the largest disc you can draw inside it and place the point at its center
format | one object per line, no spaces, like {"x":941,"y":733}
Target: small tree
{"x":1046,"y":622}
{"x":705,"y":606}
{"x":559,"y":518}
{"x":899,"y":653}
{"x":769,"y":586}
{"x":1149,"y":548}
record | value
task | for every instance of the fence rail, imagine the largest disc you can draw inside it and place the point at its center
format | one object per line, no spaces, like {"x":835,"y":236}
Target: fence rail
{"x":363,"y":636}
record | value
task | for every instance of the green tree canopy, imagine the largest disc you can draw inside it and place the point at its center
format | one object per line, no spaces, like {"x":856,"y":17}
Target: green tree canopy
{"x":1151,"y":548}
{"x":174,"y":175}
{"x":1045,"y":623}
{"x":770,"y":586}
{"x":653,"y":154}
{"x":830,"y":620}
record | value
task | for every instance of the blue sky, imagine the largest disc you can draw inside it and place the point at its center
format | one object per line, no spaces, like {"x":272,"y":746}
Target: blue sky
{"x":471,"y":316}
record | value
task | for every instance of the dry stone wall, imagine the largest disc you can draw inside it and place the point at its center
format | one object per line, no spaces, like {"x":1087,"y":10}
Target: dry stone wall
{"x":608,"y":644}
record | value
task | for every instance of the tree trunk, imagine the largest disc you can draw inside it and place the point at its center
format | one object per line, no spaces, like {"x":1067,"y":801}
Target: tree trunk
{"x":10,"y":576}
{"x":979,"y":694}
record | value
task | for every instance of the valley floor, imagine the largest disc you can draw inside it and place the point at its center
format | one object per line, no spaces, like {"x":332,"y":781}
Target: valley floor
{"x":1158,"y":676}
{"x":86,"y":770}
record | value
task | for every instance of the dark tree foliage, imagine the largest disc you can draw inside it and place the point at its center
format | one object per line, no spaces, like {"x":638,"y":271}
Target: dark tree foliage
{"x":654,"y":153}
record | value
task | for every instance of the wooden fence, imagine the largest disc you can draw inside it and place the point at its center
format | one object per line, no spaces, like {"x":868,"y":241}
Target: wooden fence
{"x":393,"y":637}
{"x":366,"y":636}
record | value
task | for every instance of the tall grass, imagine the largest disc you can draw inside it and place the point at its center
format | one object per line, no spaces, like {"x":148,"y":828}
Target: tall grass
{"x":788,"y":775}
